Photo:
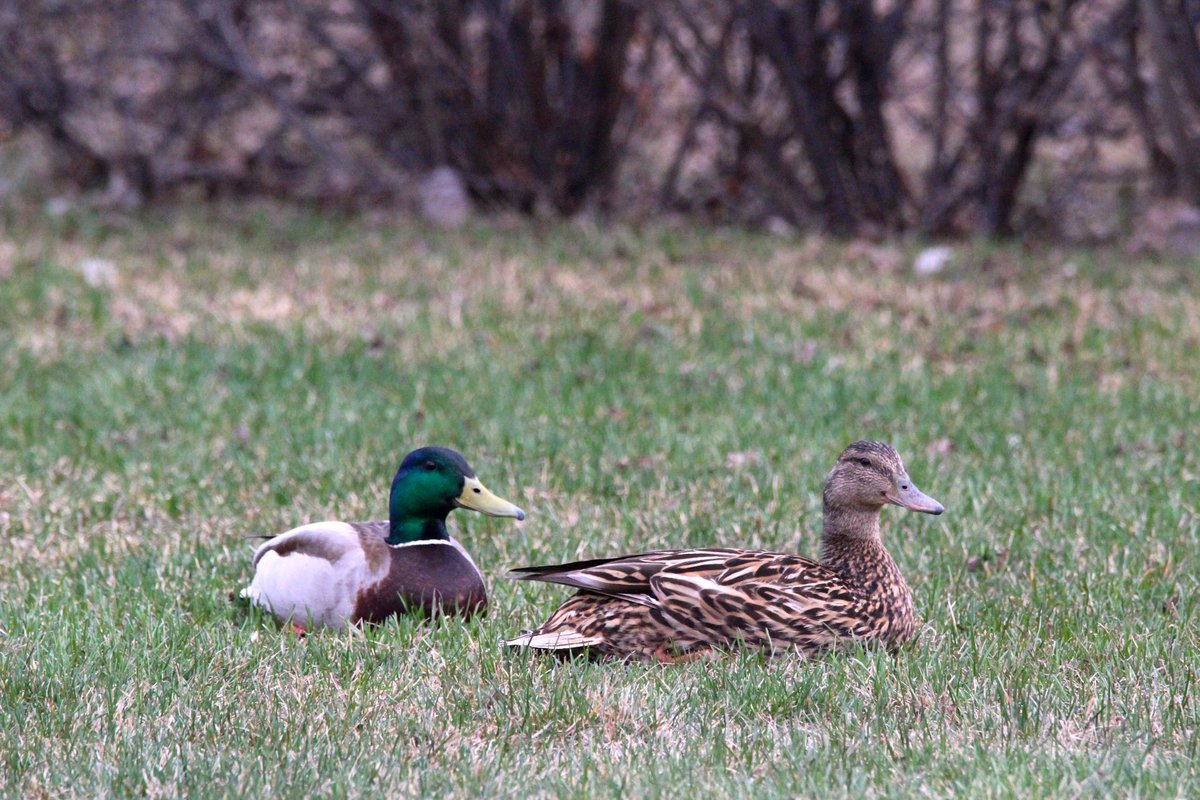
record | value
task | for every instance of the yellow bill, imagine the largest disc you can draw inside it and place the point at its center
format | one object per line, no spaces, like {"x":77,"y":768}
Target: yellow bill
{"x":478,"y":497}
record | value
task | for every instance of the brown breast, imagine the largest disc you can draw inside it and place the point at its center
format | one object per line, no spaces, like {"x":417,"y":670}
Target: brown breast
{"x":885,"y":611}
{"x":433,"y":578}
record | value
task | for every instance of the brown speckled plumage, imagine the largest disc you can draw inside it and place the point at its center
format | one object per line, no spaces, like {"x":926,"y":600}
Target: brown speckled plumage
{"x":669,"y":605}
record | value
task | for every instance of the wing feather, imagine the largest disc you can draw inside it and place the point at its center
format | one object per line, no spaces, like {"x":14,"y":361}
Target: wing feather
{"x":796,"y":604}
{"x":695,"y":598}
{"x":562,"y":639}
{"x":310,"y":573}
{"x":628,"y":577}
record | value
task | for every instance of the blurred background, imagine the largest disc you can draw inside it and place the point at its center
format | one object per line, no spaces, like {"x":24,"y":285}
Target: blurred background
{"x":1055,"y":118}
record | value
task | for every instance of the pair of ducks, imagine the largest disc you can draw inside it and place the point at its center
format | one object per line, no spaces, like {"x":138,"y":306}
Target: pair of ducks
{"x":665,"y":605}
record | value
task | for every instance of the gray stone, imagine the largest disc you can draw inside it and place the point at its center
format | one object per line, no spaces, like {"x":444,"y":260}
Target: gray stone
{"x":444,"y":199}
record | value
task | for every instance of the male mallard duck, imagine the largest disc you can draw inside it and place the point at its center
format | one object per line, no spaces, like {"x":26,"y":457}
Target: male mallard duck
{"x":669,"y":605}
{"x":331,"y":573}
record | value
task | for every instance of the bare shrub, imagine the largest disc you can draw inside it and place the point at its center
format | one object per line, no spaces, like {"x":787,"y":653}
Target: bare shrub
{"x":859,"y":117}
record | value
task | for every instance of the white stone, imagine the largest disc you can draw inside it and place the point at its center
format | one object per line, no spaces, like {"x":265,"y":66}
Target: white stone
{"x":444,"y":199}
{"x":98,"y":272}
{"x":58,"y":206}
{"x":932,"y":260}
{"x":778,"y":226}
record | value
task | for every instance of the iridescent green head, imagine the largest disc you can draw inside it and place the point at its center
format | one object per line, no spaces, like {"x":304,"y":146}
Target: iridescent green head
{"x":432,"y":482}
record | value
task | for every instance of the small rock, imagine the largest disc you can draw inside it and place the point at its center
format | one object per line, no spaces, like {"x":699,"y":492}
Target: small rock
{"x":1183,"y":236}
{"x":8,"y":259}
{"x":652,"y":331}
{"x":444,"y":200}
{"x":98,"y":273}
{"x":121,"y":192}
{"x":940,"y":447}
{"x":58,"y":206}
{"x":778,"y":226}
{"x":805,"y":352}
{"x":802,"y":288}
{"x":881,"y":257}
{"x":932,"y":260}
{"x":615,"y":413}
{"x":740,"y":460}
{"x":1170,"y":227}
{"x":373,"y":339}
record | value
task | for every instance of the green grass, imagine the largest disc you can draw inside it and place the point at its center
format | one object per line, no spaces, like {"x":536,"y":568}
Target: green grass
{"x":252,"y":369}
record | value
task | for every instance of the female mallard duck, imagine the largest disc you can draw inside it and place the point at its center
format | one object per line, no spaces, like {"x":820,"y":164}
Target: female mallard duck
{"x":331,"y":573}
{"x":669,"y":605}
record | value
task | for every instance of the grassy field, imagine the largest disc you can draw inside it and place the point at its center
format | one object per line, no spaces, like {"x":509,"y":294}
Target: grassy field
{"x":173,"y":383}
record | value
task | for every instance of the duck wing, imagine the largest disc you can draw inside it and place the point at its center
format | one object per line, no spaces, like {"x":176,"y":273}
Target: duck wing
{"x":312,"y":573}
{"x":627,"y":577}
{"x":686,"y":599}
{"x":761,"y":599}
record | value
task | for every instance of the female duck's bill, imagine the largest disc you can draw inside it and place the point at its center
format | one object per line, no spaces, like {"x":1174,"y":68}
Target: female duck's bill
{"x":907,"y":495}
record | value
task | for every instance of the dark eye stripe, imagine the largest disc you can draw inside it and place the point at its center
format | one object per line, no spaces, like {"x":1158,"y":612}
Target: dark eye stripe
{"x":882,"y":469}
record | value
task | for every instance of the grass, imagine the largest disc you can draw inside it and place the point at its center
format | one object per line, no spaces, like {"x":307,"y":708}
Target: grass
{"x":244,"y":370}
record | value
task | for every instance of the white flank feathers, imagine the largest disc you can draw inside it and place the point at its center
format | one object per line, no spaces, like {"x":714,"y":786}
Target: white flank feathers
{"x":559,"y":640}
{"x":315,"y":581}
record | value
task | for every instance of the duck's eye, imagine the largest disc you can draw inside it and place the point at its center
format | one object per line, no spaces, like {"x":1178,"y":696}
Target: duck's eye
{"x":866,"y":462}
{"x":429,"y":465}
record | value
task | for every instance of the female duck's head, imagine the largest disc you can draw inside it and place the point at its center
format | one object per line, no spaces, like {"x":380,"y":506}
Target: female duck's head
{"x":869,"y":475}
{"x":432,"y":482}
